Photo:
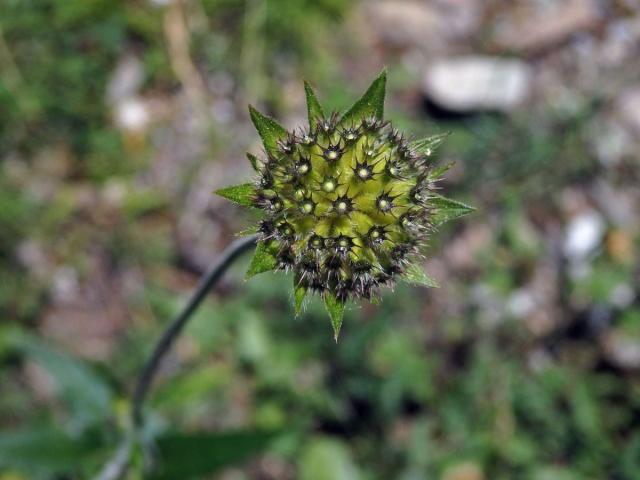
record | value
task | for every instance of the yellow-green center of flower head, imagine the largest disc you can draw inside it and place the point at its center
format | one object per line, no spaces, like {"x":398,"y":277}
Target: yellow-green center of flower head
{"x":348,"y":202}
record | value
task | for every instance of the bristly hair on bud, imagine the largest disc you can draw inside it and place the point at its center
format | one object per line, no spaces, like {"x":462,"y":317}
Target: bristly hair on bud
{"x":348,"y":202}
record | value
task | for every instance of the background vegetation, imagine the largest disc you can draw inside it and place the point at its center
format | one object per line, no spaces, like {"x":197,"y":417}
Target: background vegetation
{"x":119,"y":118}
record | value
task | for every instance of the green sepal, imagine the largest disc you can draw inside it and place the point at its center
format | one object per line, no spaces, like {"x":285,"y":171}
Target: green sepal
{"x":263,"y":260}
{"x":371,"y":103}
{"x":416,"y":275}
{"x":438,"y":172}
{"x":269,"y":130}
{"x":426,"y":146}
{"x":255,"y":163}
{"x":252,"y":230}
{"x":447,"y":209}
{"x":299,"y":292}
{"x":313,"y":105}
{"x":243,"y":194}
{"x":335,"y":308}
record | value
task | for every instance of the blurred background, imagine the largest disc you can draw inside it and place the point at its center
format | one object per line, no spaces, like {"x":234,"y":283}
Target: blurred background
{"x":118,"y":118}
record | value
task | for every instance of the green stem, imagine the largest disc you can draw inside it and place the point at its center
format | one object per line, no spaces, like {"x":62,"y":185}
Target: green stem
{"x":117,"y":466}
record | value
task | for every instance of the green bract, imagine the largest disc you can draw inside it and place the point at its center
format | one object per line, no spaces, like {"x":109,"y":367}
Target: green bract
{"x":348,"y":202}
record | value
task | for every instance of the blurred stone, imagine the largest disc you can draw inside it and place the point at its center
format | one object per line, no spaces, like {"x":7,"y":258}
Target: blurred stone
{"x":126,"y":79}
{"x":533,"y":27}
{"x":584,"y":233}
{"x":463,"y":471}
{"x":612,"y":142}
{"x":622,"y":350}
{"x":466,"y":84}
{"x":132,"y":114}
{"x":622,"y":296}
{"x":402,"y":23}
{"x":628,"y":108}
{"x":620,"y":205}
{"x":428,"y":25}
{"x":621,"y":42}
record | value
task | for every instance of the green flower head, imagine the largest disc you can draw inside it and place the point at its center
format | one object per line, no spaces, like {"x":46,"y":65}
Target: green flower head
{"x":348,"y":202}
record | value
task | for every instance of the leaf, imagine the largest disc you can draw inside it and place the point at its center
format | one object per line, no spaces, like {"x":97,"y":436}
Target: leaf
{"x":255,"y":163}
{"x":426,"y":146}
{"x":263,"y":260}
{"x":299,"y":292}
{"x":243,"y":194}
{"x":197,"y":455}
{"x":447,"y":209}
{"x":371,"y":103}
{"x":44,"y":449}
{"x":327,"y":459}
{"x":87,"y":394}
{"x":313,"y":105}
{"x":416,"y":275}
{"x":335,"y":308}
{"x":270,"y":131}
{"x":437,"y":172}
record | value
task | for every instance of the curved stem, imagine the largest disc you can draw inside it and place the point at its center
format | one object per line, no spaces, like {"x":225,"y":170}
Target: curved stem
{"x":207,"y":282}
{"x":118,"y":465}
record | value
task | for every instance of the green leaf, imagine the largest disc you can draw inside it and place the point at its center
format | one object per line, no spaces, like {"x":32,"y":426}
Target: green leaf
{"x":426,"y":146}
{"x":203,"y":454}
{"x":243,"y":194}
{"x":87,"y":394}
{"x":416,"y":275}
{"x":44,"y":449}
{"x":447,"y":209}
{"x":270,"y":131}
{"x":437,"y":172}
{"x":328,"y":459}
{"x":335,"y":308}
{"x":313,"y":106}
{"x":299,"y":292}
{"x":263,"y":260}
{"x":255,"y":163}
{"x":371,"y":103}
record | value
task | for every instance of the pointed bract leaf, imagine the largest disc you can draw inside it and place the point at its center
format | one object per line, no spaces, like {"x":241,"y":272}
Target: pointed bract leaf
{"x":437,"y":172}
{"x":263,"y":260}
{"x":416,"y":275}
{"x":243,"y":194}
{"x":255,"y":163}
{"x":447,"y":209}
{"x":299,"y":292}
{"x":270,"y":131}
{"x":426,"y":146}
{"x":314,"y":108}
{"x":335,"y":307}
{"x":371,"y":103}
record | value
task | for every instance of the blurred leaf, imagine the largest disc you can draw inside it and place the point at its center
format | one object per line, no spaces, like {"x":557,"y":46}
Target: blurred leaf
{"x":335,"y":308}
{"x":270,"y":131}
{"x":326,"y":459}
{"x":415,"y":274}
{"x":371,"y":103}
{"x":87,"y":394}
{"x":447,"y":209}
{"x":241,"y":194}
{"x":314,"y":108}
{"x":263,"y":261}
{"x":187,"y":456}
{"x":44,"y":449}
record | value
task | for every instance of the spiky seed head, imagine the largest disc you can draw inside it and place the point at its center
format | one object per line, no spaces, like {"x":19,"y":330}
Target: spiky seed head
{"x":348,"y":201}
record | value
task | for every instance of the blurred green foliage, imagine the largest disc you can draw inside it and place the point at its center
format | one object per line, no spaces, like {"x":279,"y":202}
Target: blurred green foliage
{"x":404,"y":395}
